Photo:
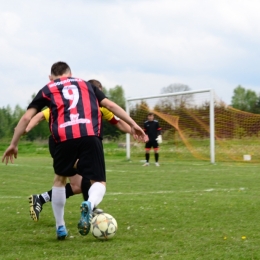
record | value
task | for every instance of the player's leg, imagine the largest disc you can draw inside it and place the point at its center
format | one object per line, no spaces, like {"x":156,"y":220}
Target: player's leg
{"x":64,"y":158}
{"x":156,"y":156}
{"x":58,"y":204}
{"x":148,"y":146}
{"x":92,"y":166}
{"x":37,"y":201}
{"x":156,"y":153}
{"x":84,"y":188}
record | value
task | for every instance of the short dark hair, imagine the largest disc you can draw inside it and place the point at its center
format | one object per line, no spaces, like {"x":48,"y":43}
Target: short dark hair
{"x":59,"y":68}
{"x":96,"y":83}
{"x":150,"y":114}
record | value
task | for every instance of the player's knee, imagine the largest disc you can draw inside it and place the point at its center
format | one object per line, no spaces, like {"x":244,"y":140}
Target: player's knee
{"x":59,"y":181}
{"x":102,"y":182}
{"x":75,"y":188}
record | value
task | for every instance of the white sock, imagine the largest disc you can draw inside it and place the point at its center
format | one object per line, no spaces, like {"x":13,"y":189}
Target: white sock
{"x":58,"y":203}
{"x":96,"y":193}
{"x":46,"y":196}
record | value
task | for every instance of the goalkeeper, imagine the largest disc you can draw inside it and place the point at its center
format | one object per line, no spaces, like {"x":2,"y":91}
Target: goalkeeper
{"x":153,"y":131}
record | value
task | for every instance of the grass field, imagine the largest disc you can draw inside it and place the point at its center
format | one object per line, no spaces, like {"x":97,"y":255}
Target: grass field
{"x":180,"y":210}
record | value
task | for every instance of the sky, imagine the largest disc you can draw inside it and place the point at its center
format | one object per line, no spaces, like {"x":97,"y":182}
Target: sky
{"x":140,"y":45}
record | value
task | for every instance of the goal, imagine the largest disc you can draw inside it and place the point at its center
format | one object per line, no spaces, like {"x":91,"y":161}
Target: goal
{"x":179,"y":118}
{"x":197,"y":125}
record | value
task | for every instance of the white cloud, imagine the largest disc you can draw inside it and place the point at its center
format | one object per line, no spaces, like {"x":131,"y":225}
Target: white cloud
{"x":141,"y":45}
{"x":10,"y":23}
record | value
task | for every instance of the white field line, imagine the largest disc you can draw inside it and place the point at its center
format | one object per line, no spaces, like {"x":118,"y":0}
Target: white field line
{"x":10,"y":197}
{"x":194,"y":164}
{"x":25,"y":165}
{"x":152,"y":192}
{"x":171,"y":191}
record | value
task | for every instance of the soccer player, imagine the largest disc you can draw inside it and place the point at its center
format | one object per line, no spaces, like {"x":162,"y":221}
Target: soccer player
{"x":77,"y":182}
{"x":75,"y":124}
{"x":153,"y":130}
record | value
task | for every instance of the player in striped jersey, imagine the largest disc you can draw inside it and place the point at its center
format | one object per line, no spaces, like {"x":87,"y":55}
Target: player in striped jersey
{"x":75,"y":124}
{"x":77,"y":182}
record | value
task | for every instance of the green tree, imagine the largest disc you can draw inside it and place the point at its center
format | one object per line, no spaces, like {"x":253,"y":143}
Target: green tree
{"x":6,"y":119}
{"x":41,"y":131}
{"x":245,"y":100}
{"x":117,"y":95}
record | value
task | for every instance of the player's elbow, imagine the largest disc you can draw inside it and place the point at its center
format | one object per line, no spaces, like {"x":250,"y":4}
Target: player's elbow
{"x":25,"y":119}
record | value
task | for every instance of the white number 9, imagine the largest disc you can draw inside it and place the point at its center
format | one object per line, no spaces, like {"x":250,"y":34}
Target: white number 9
{"x":74,"y":96}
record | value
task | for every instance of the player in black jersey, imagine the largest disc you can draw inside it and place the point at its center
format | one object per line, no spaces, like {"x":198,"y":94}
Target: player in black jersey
{"x":153,"y":130}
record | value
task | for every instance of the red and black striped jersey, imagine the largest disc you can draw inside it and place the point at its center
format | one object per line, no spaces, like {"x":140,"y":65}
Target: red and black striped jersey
{"x":74,"y":108}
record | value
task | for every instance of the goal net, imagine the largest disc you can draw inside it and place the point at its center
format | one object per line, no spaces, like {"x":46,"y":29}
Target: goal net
{"x":197,"y":125}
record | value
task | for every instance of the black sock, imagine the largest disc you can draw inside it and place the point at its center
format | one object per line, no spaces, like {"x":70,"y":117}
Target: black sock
{"x":85,"y":186}
{"x":147,"y":157}
{"x":69,"y":191}
{"x":156,"y":156}
{"x":50,"y":194}
{"x":42,"y":199}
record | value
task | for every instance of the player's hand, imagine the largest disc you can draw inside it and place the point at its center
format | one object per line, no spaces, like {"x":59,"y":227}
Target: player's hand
{"x":138,"y":133}
{"x":159,"y":139}
{"x":9,"y":154}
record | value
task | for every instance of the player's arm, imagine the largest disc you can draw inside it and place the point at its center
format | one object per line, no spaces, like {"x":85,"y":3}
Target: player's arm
{"x":145,"y":131}
{"x":35,"y":121}
{"x":11,"y":151}
{"x":113,"y":120}
{"x":22,"y":124}
{"x":158,"y":129}
{"x":35,"y":106}
{"x":123,"y":126}
{"x":117,"y":110}
{"x":159,"y":135}
{"x":136,"y":131}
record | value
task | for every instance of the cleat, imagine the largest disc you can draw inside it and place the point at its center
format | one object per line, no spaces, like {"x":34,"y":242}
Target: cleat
{"x":35,"y":207}
{"x":61,"y":232}
{"x":146,"y":164}
{"x":97,"y":211}
{"x":157,"y":164}
{"x":86,"y":218}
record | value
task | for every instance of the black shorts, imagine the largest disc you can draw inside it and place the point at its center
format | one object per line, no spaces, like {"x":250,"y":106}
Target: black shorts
{"x":151,"y":143}
{"x":52,"y":145}
{"x":89,"y":151}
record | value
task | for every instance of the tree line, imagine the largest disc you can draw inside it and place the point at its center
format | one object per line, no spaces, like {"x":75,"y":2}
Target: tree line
{"x":9,"y":118}
{"x":242,"y":99}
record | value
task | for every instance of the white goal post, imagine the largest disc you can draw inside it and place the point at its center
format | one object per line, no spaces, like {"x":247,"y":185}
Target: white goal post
{"x":211,"y":116}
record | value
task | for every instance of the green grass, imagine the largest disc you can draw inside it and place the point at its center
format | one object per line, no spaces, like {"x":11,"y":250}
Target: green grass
{"x":180,"y":210}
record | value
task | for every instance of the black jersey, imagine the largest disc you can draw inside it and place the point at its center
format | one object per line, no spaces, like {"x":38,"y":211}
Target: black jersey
{"x":74,"y":108}
{"x":152,"y":129}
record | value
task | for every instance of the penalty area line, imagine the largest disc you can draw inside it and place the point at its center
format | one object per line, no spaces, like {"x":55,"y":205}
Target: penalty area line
{"x":10,"y":197}
{"x":172,"y":191}
{"x":152,"y":192}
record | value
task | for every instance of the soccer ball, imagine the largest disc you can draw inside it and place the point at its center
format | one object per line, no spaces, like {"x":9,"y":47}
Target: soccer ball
{"x":103,"y":226}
